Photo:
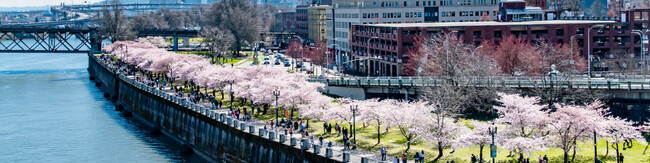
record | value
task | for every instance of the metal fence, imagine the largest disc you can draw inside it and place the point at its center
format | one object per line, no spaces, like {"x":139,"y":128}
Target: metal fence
{"x":511,"y":82}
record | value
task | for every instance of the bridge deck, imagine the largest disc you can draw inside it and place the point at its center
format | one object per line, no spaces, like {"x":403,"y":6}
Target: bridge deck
{"x":607,"y":84}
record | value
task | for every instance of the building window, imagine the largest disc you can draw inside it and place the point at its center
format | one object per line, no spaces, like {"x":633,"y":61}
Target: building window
{"x":477,"y":34}
{"x":497,"y":34}
{"x":559,"y":32}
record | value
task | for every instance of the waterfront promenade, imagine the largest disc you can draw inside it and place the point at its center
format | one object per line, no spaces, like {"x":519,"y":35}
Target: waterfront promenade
{"x":336,"y":152}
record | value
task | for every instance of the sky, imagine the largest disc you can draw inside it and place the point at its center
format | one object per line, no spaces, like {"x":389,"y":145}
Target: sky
{"x":32,"y":3}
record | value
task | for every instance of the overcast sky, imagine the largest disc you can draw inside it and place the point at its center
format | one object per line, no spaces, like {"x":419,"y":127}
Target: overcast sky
{"x":29,"y":3}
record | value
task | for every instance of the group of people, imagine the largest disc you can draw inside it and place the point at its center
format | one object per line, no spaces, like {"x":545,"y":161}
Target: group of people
{"x":338,"y":128}
{"x":237,"y":114}
{"x":418,"y":156}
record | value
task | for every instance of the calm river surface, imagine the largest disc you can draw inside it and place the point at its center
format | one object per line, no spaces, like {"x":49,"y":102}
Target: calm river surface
{"x":51,"y":112}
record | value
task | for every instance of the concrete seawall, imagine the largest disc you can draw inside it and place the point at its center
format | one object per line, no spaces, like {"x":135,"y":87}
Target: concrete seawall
{"x":215,"y":136}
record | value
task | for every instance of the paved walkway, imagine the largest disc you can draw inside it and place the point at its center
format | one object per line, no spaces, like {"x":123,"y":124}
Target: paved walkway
{"x":337,"y":149}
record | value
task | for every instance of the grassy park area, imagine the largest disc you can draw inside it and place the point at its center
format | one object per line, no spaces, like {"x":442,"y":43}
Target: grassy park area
{"x":226,"y":61}
{"x":396,"y":144}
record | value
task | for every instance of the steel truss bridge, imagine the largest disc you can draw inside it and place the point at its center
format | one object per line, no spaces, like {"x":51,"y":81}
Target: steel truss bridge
{"x":18,"y":39}
{"x":136,"y":7}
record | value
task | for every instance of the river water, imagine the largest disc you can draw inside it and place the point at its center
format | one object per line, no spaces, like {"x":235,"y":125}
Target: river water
{"x":51,"y":112}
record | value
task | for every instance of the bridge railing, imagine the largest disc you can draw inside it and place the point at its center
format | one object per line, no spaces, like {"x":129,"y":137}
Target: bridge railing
{"x":500,"y":82}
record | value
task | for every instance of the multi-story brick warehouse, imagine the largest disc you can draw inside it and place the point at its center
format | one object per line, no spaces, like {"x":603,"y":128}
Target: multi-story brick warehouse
{"x":389,"y":43}
{"x":345,"y":13}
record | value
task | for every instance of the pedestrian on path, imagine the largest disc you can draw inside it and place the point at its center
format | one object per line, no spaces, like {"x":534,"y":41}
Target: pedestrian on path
{"x":403,"y":157}
{"x":422,"y":156}
{"x":383,"y":153}
{"x":320,"y":139}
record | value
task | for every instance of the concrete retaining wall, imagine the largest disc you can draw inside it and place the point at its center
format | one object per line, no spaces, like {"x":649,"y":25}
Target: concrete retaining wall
{"x":213,"y":135}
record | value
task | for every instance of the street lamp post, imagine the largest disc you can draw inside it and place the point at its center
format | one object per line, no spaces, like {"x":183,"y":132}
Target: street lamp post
{"x":493,"y":131}
{"x":643,"y":48}
{"x":368,"y":51}
{"x":231,"y":95}
{"x":354,"y":125}
{"x":595,"y":148}
{"x":276,"y":93}
{"x":589,"y":49}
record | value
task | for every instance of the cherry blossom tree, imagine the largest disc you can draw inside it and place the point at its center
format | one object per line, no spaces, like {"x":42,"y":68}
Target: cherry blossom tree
{"x":158,"y":42}
{"x":374,"y":112}
{"x":618,"y":130}
{"x":479,"y":135}
{"x":570,"y":124}
{"x":526,"y":123}
{"x":434,"y":126}
{"x":406,"y":118}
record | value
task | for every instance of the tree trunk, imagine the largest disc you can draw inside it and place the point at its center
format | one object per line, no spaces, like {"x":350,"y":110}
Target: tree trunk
{"x":566,"y":157}
{"x":480,"y":156}
{"x":439,"y":152}
{"x":617,"y":154}
{"x":606,"y":148}
{"x":378,"y":133}
{"x":573,"y":157}
{"x":408,"y":145}
{"x":266,"y":107}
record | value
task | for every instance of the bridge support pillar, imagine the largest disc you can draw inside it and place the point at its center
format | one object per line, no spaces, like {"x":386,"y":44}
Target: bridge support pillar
{"x":175,"y":43}
{"x":406,"y":94}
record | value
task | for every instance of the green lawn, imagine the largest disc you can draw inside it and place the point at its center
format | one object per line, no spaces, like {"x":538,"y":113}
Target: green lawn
{"x":395,"y":143}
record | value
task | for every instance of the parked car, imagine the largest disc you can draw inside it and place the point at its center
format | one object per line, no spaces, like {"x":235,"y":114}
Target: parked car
{"x":286,"y":64}
{"x":277,"y":61}
{"x":266,"y":58}
{"x":266,"y":62}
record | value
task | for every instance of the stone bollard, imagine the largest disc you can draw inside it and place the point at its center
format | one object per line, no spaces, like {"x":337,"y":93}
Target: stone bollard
{"x":304,"y":144}
{"x":229,"y":121}
{"x":251,"y":129}
{"x":283,"y":138}
{"x":364,"y":160}
{"x":328,"y":152}
{"x":346,"y":157}
{"x":316,"y":148}
{"x":235,"y":123}
{"x":261,"y":132}
{"x":242,"y":126}
{"x":293,"y":142}
{"x":271,"y":135}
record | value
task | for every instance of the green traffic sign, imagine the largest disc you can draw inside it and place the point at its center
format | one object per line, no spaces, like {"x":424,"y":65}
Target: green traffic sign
{"x":493,"y":150}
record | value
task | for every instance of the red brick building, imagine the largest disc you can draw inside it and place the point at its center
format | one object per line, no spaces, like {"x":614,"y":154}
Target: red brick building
{"x":302,"y":23}
{"x":389,"y":43}
{"x":285,"y":22}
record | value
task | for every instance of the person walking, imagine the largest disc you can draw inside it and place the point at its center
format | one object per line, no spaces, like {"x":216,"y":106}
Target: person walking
{"x":422,"y":156}
{"x":545,"y":159}
{"x":395,"y":160}
{"x":383,"y":153}
{"x":329,"y":129}
{"x":320,"y":139}
{"x":403,"y":157}
{"x":416,"y":157}
{"x":473,"y":158}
